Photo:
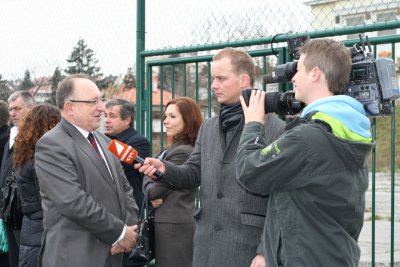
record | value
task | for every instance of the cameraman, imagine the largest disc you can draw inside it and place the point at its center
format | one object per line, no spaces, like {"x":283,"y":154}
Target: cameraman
{"x":316,"y":173}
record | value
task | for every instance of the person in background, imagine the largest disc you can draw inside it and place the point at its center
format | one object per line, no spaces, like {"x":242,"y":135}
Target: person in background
{"x":4,"y":127}
{"x":19,"y":103}
{"x":230,"y":222}
{"x":89,"y":213}
{"x":119,"y":118}
{"x":38,"y":121}
{"x":118,"y":124}
{"x":316,"y":173}
{"x":4,"y":135}
{"x":175,"y":208}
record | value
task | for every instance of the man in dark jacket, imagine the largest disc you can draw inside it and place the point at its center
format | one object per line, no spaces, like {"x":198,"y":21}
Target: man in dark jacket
{"x":118,"y":124}
{"x":316,"y":173}
{"x":19,"y":103}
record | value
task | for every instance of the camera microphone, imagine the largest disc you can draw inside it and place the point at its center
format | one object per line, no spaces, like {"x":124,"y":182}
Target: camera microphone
{"x":127,"y":154}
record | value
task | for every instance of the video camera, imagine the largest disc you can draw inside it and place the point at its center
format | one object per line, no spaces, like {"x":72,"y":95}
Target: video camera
{"x":373,"y":81}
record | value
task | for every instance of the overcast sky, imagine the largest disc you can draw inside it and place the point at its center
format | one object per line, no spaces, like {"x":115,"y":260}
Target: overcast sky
{"x":40,"y":35}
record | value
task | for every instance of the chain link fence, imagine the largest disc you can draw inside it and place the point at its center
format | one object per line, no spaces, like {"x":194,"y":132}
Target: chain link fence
{"x":40,"y":35}
{"x":182,"y":23}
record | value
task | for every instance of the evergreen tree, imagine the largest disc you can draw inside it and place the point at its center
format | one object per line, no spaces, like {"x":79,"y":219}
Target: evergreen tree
{"x":27,"y":81}
{"x":54,"y":81}
{"x":5,"y":89}
{"x":83,"y":60}
{"x":130,"y":79}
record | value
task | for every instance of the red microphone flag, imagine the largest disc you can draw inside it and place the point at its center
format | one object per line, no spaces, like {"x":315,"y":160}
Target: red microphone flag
{"x":124,"y":152}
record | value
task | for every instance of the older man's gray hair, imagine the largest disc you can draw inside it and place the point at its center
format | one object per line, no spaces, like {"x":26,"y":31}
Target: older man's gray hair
{"x":127,"y":109}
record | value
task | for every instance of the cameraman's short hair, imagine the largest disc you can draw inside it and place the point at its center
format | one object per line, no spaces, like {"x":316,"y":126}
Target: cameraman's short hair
{"x":333,"y":58}
{"x":4,"y":113}
{"x":240,"y":59}
{"x":26,"y":96}
{"x":127,"y":109}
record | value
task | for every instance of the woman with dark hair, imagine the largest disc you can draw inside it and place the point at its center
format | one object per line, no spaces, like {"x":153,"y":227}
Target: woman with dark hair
{"x":174,"y":215}
{"x":37,"y":122}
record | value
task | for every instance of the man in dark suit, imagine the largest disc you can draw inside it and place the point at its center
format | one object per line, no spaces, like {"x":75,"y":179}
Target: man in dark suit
{"x":19,"y":103}
{"x":118,"y":124}
{"x":89,"y":214}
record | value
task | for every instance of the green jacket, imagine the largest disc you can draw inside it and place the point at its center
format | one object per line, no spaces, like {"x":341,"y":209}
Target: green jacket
{"x":316,"y":182}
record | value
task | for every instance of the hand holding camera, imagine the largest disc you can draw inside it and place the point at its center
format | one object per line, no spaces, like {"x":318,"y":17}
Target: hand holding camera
{"x":254,"y":109}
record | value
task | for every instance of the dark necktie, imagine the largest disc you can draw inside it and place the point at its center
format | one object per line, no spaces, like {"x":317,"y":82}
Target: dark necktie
{"x":94,"y":144}
{"x":92,"y":141}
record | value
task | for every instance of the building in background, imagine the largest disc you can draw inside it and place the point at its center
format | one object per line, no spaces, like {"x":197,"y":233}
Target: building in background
{"x":342,"y":13}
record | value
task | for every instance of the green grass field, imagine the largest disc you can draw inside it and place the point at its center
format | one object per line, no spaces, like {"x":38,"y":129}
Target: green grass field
{"x":384,"y":142}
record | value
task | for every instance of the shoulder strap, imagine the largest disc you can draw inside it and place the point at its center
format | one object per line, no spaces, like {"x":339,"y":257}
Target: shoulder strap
{"x":162,"y":154}
{"x":146,"y":211}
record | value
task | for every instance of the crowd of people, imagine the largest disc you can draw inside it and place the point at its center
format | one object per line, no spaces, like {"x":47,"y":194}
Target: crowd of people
{"x":269,"y":194}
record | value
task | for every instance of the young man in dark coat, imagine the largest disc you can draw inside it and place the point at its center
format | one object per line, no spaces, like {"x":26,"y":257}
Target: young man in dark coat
{"x":229,"y":226}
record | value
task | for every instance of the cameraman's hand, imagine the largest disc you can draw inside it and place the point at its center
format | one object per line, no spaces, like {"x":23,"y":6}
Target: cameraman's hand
{"x":255,"y":111}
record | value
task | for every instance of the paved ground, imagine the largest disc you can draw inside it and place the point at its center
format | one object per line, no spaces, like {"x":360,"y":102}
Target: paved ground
{"x":382,"y":226}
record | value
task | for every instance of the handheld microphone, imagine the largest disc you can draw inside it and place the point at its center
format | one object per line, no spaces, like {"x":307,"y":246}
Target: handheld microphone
{"x":127,"y":154}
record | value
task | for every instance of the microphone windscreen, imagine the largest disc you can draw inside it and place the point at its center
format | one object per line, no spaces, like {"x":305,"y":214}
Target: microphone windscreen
{"x":124,"y":153}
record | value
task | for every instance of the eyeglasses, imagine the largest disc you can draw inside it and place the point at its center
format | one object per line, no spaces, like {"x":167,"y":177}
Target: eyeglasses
{"x":90,"y":102}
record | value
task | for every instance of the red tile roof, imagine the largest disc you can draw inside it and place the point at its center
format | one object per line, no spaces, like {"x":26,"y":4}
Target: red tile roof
{"x":130,"y":95}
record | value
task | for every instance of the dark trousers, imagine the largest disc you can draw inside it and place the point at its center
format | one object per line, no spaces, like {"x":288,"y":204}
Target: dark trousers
{"x":4,"y":259}
{"x":13,"y":246}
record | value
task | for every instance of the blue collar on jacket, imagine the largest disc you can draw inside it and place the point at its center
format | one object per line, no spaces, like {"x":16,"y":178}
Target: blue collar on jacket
{"x":345,"y":109}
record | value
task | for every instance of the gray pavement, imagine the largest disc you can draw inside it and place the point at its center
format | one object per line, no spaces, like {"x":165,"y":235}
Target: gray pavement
{"x":383,"y":225}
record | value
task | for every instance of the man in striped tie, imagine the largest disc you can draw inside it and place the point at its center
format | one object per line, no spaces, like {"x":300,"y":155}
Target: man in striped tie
{"x":89,"y":214}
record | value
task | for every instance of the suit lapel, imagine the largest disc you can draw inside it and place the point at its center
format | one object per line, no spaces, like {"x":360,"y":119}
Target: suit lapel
{"x":109,"y":157}
{"x":231,"y":147}
{"x":88,"y":150}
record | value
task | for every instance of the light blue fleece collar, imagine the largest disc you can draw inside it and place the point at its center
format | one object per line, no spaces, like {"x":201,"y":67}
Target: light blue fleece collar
{"x":345,"y":109}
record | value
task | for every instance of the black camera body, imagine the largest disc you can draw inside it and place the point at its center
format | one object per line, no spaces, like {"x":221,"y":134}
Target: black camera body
{"x":373,"y":81}
{"x":276,"y":102}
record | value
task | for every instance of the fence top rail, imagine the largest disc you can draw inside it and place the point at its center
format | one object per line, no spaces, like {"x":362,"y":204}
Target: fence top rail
{"x":264,"y":52}
{"x":207,"y":58}
{"x":378,"y":26}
